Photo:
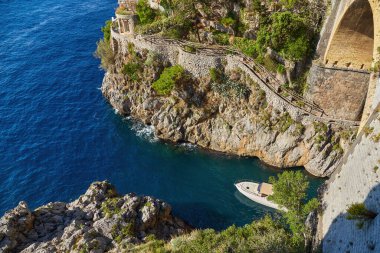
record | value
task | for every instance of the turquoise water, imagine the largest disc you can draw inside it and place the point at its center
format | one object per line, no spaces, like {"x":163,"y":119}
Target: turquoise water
{"x":58,"y":134}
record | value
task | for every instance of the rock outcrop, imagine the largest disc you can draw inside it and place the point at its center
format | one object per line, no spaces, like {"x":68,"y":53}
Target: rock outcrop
{"x":98,"y":221}
{"x":252,"y":125}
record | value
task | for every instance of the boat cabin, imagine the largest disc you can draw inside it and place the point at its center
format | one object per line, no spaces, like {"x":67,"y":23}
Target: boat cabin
{"x":265,"y":189}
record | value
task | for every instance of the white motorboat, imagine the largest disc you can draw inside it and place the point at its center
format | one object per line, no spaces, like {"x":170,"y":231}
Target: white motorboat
{"x":258,"y":192}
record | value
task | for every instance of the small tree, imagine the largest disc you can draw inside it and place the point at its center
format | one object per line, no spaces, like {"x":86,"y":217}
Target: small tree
{"x":145,"y":13}
{"x":360,"y":213}
{"x":105,"y":53}
{"x":168,"y":79}
{"x":289,"y":191}
{"x":107,"y":30}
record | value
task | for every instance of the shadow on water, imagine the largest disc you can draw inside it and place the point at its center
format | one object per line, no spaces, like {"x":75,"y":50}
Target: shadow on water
{"x":204,"y":213}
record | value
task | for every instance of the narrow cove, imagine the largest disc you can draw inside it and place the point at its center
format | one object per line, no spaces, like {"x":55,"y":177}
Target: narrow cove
{"x":59,"y":134}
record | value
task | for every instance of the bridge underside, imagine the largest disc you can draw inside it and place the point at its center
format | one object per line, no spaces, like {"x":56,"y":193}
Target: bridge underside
{"x":353,"y":42}
{"x":339,"y":82}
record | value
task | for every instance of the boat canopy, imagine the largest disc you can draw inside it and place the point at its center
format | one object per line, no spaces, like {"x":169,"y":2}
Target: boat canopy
{"x":266,"y":189}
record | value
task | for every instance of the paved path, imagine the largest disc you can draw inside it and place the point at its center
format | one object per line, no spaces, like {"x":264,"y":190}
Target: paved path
{"x":267,"y":78}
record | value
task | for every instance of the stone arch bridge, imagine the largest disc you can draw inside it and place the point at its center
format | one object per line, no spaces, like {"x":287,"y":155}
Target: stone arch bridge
{"x":342,"y":81}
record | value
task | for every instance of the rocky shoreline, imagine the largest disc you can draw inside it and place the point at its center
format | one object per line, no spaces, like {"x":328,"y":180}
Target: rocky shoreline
{"x":195,"y":113}
{"x":98,"y":221}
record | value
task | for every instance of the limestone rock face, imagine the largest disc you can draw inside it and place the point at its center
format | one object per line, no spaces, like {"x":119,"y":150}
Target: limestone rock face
{"x":98,"y":221}
{"x":198,"y":115}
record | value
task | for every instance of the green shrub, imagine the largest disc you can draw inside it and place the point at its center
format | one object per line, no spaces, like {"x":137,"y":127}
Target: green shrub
{"x":265,"y":119}
{"x":246,"y":46}
{"x":265,"y":235}
{"x":300,"y":103}
{"x":297,"y":49}
{"x":154,"y":27}
{"x":221,"y":38}
{"x":105,"y":53}
{"x":300,"y":129}
{"x":131,"y":49}
{"x":132,"y":70}
{"x":145,"y":13}
{"x":110,"y":208}
{"x":167,"y":4}
{"x":228,"y":21}
{"x":148,"y":204}
{"x":300,"y":84}
{"x":168,"y":79}
{"x":177,"y":28}
{"x":289,"y":191}
{"x":189,"y":49}
{"x":360,"y":213}
{"x":281,"y":69}
{"x":258,"y":7}
{"x":152,"y":246}
{"x":376,"y":66}
{"x":287,"y":33}
{"x":376,"y":138}
{"x":269,"y":63}
{"x":346,"y":134}
{"x":107,"y":30}
{"x":338,"y":148}
{"x":119,"y":232}
{"x":216,"y":75}
{"x":319,"y":139}
{"x":367,"y":130}
{"x":284,"y":122}
{"x":320,"y":127}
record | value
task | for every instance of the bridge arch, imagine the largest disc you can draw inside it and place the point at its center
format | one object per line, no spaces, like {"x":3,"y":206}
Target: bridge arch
{"x":352,"y":42}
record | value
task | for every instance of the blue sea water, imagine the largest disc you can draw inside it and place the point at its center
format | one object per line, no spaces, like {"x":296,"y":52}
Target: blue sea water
{"x":57,"y":133}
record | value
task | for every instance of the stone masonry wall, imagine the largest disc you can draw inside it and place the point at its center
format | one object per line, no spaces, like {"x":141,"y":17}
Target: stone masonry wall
{"x":357,"y":180}
{"x":340,"y":93}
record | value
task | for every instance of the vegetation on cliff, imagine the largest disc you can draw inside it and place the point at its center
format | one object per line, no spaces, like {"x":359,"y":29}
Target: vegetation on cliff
{"x":287,"y":33}
{"x":103,"y":221}
{"x":104,"y":51}
{"x":168,"y":79}
{"x":276,"y":233}
{"x":289,"y":191}
{"x":360,"y":213}
{"x":288,"y":27}
{"x":145,"y":13}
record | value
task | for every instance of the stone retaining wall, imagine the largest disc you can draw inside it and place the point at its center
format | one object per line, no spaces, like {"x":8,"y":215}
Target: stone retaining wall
{"x":356,"y":180}
{"x":199,"y":65}
{"x":341,"y":93}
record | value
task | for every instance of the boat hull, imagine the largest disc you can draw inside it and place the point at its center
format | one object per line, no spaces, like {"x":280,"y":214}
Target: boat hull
{"x":248,"y":190}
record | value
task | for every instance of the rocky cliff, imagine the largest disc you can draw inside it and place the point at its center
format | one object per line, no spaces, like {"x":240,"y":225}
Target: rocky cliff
{"x":98,"y":221}
{"x":218,"y":118}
